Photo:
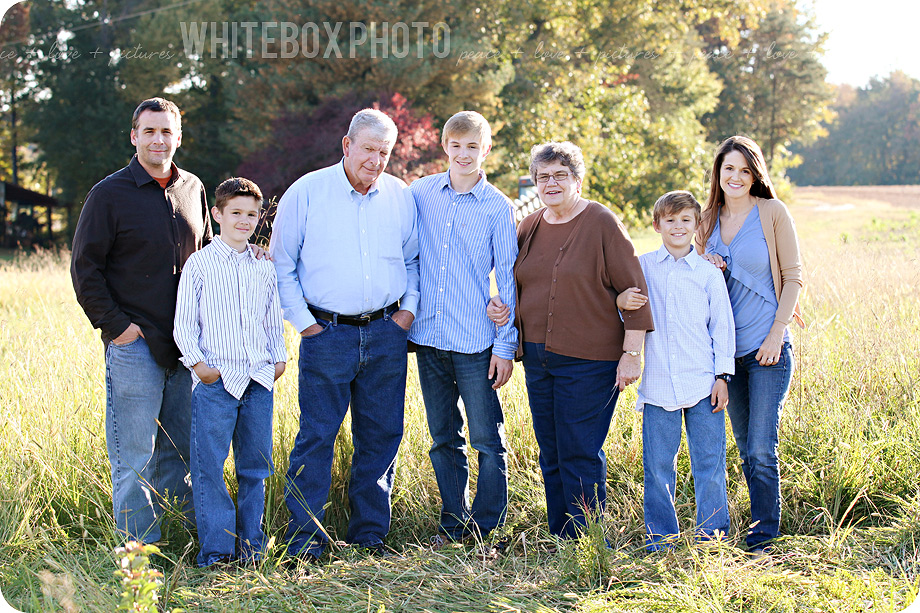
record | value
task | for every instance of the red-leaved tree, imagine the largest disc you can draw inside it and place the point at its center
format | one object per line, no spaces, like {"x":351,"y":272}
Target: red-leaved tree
{"x":307,"y":141}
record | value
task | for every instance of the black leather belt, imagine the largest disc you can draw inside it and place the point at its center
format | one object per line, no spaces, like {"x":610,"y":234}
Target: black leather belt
{"x":352,"y":320}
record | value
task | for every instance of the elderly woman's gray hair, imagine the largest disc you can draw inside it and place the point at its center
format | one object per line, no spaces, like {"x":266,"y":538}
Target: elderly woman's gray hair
{"x":566,"y":153}
{"x":376,"y":122}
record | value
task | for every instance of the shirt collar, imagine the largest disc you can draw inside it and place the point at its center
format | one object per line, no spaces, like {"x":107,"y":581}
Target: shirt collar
{"x":692,"y":258}
{"x":141,"y":176}
{"x":227,"y":251}
{"x":346,"y":184}
{"x":478,"y":189}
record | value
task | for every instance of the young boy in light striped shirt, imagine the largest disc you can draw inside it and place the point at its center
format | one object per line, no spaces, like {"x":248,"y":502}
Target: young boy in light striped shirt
{"x":689,"y":359}
{"x":229,"y":329}
{"x":466,"y":229}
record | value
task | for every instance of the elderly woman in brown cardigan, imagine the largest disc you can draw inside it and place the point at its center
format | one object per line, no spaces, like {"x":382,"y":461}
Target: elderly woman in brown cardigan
{"x":578,"y":354}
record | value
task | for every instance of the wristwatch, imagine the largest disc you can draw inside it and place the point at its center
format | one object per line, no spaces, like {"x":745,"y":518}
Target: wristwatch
{"x":725,"y":377}
{"x":634,"y":354}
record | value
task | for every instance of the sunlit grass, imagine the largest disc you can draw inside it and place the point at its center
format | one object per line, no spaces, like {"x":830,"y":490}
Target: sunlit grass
{"x":850,"y":452}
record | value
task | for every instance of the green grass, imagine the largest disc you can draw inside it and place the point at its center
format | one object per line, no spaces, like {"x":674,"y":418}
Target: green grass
{"x":849,"y":444}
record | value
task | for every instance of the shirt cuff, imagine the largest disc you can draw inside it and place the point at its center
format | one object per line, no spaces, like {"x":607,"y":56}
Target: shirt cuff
{"x":278,"y":354}
{"x":192,"y":358}
{"x":301,"y":320}
{"x":725,"y":366}
{"x":504,"y":350}
{"x":409,"y":303}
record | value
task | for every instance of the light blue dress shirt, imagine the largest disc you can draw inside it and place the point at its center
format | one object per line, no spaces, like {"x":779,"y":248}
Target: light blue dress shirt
{"x":694,"y":337}
{"x":343,"y":251}
{"x":462,"y":238}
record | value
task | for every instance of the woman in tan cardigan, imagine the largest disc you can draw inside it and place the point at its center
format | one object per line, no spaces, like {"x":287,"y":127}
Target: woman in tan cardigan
{"x":574,"y":259}
{"x":750,"y":234}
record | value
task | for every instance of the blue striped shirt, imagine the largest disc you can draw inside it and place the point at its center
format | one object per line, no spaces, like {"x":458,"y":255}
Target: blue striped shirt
{"x":462,"y":238}
{"x":343,"y":251}
{"x":229,"y":317}
{"x":694,"y":337}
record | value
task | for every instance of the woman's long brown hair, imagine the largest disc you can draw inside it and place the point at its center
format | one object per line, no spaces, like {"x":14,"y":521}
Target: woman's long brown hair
{"x":762,"y":186}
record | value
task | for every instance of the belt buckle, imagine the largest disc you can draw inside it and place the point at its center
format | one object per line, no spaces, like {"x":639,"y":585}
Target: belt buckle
{"x":364,"y":318}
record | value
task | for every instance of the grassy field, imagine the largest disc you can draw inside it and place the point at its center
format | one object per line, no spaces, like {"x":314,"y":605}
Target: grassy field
{"x":850,"y":452}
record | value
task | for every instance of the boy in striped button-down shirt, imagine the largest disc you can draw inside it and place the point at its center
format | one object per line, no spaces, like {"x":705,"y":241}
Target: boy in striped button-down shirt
{"x":229,"y":329}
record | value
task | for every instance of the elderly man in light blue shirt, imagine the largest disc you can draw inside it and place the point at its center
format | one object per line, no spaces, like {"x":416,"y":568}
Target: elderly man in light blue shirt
{"x":345,"y":246}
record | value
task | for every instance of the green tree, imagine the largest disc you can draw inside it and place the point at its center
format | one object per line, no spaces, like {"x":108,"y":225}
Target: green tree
{"x":774,"y":86}
{"x":625,"y":81}
{"x":875,"y":139}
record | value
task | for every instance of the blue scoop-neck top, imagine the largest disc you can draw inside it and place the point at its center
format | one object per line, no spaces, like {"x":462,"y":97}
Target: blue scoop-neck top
{"x":749,"y":281}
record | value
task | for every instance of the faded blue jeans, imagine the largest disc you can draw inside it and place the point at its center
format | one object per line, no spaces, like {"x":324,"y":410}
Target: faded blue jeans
{"x":661,"y":433}
{"x":755,"y":400}
{"x":149,"y":462}
{"x":364,"y":366}
{"x":445,"y":378}
{"x":219,"y":420}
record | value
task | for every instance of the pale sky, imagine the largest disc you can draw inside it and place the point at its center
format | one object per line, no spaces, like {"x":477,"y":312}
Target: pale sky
{"x":869,"y":37}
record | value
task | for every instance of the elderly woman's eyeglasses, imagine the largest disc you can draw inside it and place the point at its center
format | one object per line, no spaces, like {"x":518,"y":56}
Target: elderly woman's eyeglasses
{"x":558,"y":177}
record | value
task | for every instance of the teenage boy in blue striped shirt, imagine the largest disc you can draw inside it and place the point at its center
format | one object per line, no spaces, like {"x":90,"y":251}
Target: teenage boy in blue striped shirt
{"x":229,"y":329}
{"x":466,"y":229}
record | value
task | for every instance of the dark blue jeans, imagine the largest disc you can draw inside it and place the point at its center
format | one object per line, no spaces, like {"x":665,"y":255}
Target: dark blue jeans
{"x":755,"y":400}
{"x":364,"y":366}
{"x":219,"y":419}
{"x":572,"y":402}
{"x":661,"y":432}
{"x":445,"y":378}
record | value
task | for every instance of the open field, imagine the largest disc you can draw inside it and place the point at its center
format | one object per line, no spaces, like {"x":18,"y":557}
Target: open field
{"x":850,"y":451}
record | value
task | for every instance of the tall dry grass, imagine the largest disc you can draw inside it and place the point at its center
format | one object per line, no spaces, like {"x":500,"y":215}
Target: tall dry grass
{"x":850,"y":453}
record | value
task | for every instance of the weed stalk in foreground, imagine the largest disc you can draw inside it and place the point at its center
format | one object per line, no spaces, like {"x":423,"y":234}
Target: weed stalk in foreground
{"x":139,"y":582}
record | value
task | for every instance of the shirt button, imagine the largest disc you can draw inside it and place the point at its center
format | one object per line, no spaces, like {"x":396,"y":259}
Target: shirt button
{"x":437,"y":312}
{"x":448,"y":224}
{"x":445,"y":245}
{"x":440,"y":289}
{"x":367,"y":276}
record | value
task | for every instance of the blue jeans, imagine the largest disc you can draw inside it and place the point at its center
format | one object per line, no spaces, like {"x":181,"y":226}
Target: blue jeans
{"x":149,"y":462}
{"x":445,"y":377}
{"x":661,"y":432}
{"x":572,"y":402}
{"x":366,"y":367}
{"x":755,"y":400}
{"x":219,"y":419}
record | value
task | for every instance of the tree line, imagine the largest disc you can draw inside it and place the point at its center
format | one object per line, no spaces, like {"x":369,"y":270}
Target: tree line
{"x":646,"y":89}
{"x":873,"y":139}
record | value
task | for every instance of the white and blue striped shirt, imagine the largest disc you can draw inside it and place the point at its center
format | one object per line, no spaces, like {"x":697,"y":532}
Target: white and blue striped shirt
{"x":694,"y":336}
{"x":343,"y":251}
{"x":462,"y":238}
{"x":228,"y":315}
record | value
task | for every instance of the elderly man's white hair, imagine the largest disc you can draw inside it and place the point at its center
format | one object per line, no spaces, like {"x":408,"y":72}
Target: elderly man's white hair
{"x":376,"y":122}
